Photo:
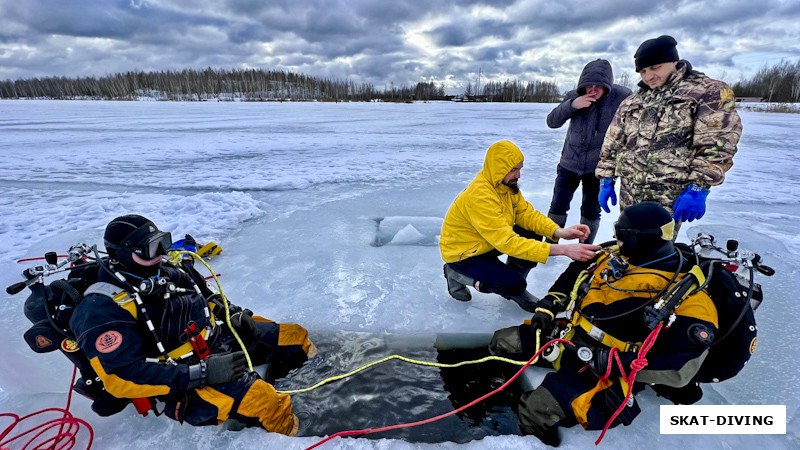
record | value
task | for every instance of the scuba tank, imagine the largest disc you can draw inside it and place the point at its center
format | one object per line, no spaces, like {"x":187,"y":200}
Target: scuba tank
{"x":49,"y":307}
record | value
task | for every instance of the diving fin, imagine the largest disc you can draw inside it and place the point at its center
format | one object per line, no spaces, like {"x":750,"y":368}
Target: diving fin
{"x":209,"y":250}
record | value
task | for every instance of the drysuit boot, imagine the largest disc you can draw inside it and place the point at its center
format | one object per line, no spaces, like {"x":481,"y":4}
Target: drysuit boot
{"x":90,"y":389}
{"x":103,"y":403}
{"x":560,"y":220}
{"x":107,"y":405}
{"x":457,"y":284}
{"x":686,"y":395}
{"x":549,"y":437}
{"x":593,"y":226}
{"x":526,"y":301}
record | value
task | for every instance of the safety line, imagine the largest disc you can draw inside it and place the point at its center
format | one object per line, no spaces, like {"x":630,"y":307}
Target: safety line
{"x":638,"y":364}
{"x":64,"y":439}
{"x":533,"y":359}
{"x":408,"y":360}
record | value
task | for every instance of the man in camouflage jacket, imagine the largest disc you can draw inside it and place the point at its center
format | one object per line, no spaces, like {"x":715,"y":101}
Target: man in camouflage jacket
{"x":673,"y":139}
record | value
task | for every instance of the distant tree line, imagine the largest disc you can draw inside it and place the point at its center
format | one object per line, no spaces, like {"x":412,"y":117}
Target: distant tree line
{"x":243,"y":84}
{"x":251,"y":85}
{"x":779,"y":83}
{"x":197,"y":85}
{"x":518,"y":91}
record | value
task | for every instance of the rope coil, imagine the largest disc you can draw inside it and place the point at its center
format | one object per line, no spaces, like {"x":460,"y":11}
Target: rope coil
{"x":66,"y":435}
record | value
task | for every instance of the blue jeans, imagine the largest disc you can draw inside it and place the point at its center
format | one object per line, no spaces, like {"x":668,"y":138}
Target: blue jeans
{"x":565,"y":186}
{"x":505,"y":279}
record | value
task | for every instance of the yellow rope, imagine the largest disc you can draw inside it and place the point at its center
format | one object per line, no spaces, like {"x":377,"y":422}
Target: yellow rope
{"x":409,"y":360}
{"x":174,"y":256}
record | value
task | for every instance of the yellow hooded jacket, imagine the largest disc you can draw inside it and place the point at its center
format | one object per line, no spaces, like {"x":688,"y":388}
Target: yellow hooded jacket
{"x":482,"y":217}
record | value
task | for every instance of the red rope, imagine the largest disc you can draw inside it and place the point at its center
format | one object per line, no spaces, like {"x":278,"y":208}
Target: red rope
{"x":638,"y":364}
{"x":442,"y":416}
{"x":65,"y":438}
{"x":37,"y":258}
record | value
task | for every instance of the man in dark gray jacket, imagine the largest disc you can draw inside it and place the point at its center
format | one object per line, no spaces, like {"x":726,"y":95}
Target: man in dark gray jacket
{"x":590,"y":109}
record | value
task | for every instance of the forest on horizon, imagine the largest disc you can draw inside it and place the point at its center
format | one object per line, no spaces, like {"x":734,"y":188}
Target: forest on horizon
{"x":779,"y":83}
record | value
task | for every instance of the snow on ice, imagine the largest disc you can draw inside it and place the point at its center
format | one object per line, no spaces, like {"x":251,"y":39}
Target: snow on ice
{"x":328,"y":214}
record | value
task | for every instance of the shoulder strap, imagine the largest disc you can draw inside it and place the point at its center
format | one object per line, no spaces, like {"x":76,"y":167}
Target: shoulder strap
{"x":103,"y":288}
{"x":120,"y":296}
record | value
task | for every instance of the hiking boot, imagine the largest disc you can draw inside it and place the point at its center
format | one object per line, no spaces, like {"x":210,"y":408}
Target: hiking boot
{"x":526,"y":301}
{"x":457,"y":284}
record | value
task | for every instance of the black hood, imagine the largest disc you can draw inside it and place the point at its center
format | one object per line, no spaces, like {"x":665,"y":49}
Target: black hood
{"x":598,"y":73}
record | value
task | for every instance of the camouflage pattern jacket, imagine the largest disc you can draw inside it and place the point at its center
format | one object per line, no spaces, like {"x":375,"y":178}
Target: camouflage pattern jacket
{"x":661,"y":140}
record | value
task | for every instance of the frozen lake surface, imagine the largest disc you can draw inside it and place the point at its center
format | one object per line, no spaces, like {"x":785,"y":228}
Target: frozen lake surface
{"x":328,"y":215}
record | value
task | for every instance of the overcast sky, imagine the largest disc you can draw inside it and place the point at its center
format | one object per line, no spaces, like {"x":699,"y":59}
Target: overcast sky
{"x":391,"y":41}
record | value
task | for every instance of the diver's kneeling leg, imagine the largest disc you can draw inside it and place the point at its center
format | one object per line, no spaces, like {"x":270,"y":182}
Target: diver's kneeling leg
{"x":506,"y":341}
{"x":285,"y":346}
{"x":539,"y":414}
{"x":250,"y":402}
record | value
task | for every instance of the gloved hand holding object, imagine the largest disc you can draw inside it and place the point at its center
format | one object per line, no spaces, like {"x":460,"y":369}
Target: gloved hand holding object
{"x":542,"y":316}
{"x":244,"y":325}
{"x":606,"y":192}
{"x":691,"y":204}
{"x":600,"y":362}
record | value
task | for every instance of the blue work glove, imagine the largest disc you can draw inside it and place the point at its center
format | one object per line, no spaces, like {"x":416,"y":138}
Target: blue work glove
{"x":691,"y":204}
{"x":606,"y":192}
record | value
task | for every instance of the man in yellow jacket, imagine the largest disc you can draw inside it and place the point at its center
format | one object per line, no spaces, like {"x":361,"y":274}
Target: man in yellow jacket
{"x":491,"y":217}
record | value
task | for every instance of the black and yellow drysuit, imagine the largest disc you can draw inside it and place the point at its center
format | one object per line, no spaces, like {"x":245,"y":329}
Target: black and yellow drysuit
{"x":114,"y":334}
{"x":608,"y":312}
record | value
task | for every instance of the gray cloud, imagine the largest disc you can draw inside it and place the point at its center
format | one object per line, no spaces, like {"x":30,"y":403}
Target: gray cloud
{"x":400,"y":42}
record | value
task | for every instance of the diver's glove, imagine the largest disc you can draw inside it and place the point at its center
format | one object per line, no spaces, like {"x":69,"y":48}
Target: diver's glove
{"x":225,"y":368}
{"x":691,"y":204}
{"x":218,"y":369}
{"x":244,"y":325}
{"x":606,"y":192}
{"x":542,"y":317}
{"x":218,"y":305}
{"x":600,"y":362}
{"x":578,"y":357}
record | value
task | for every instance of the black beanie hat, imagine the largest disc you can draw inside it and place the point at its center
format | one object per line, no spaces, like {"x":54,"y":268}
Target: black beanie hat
{"x":645,"y":230}
{"x":656,"y":51}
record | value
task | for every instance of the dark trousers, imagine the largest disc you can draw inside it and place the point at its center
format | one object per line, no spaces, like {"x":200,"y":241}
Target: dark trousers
{"x":565,"y":186}
{"x":505,"y":279}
